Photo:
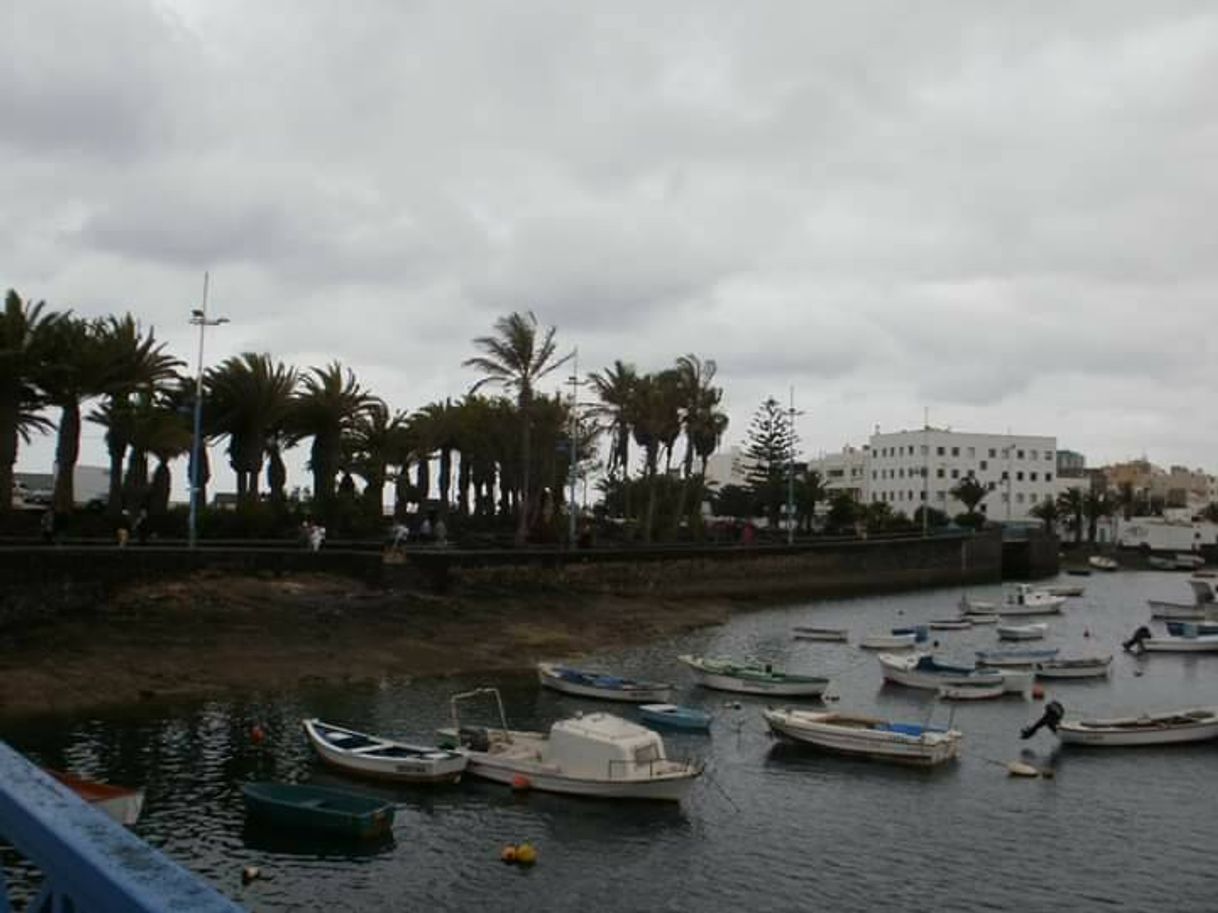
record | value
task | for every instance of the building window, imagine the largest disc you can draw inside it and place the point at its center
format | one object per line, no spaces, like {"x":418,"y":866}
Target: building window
{"x":1019,"y":498}
{"x":1019,"y":476}
{"x":925,"y":450}
{"x":1048,"y":454}
{"x":955,"y":473}
{"x":990,"y":486}
{"x":984,"y":465}
{"x":939,"y":472}
{"x":993,"y":453}
{"x":956,"y":451}
{"x":901,"y":472}
{"x":1005,"y":497}
{"x":1005,"y":475}
{"x":939,"y":450}
{"x":972,"y":452}
{"x":940,"y":496}
{"x":970,"y":474}
{"x":1048,"y":477}
{"x":1019,"y":454}
{"x":922,"y":496}
{"x":1031,"y":477}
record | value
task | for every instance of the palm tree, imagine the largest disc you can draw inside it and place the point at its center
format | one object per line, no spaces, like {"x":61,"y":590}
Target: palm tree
{"x":969,"y":492}
{"x":249,"y":400}
{"x":165,"y":432}
{"x":809,"y":491}
{"x":701,"y":419}
{"x":615,"y":387}
{"x":375,"y":440}
{"x":441,"y":422}
{"x":1070,"y":504}
{"x":515,"y":359}
{"x":655,"y":421}
{"x":24,"y":331}
{"x":326,"y":409}
{"x":1047,"y":512}
{"x":138,"y":364}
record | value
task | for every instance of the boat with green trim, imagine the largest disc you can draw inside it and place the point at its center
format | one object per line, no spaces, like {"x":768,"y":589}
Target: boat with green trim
{"x":752,"y":677}
{"x":318,"y":808}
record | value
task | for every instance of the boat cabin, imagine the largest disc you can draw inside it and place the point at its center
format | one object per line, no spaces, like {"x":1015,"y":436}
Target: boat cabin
{"x":601,"y":745}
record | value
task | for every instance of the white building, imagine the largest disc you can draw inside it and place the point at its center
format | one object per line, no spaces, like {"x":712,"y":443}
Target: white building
{"x":844,"y":471}
{"x":907,"y":469}
{"x":726,"y":468}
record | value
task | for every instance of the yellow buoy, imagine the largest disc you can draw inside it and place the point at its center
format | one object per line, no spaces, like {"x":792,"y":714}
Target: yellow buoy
{"x":526,"y":854}
{"x":508,"y":854}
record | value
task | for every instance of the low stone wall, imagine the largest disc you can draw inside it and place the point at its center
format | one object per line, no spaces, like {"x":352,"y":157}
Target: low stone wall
{"x":764,"y":572}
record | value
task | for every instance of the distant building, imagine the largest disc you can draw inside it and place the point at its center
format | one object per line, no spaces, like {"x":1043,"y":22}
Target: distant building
{"x":907,"y":469}
{"x":726,"y":468}
{"x":89,"y":483}
{"x":1070,"y":464}
{"x":844,"y":471}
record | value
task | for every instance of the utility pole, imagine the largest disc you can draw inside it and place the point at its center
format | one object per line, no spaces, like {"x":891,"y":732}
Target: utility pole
{"x":571,"y":469}
{"x":791,"y":413}
{"x":198,"y":317}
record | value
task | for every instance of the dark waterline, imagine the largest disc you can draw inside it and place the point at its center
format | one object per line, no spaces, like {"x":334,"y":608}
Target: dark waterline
{"x":772,"y":826}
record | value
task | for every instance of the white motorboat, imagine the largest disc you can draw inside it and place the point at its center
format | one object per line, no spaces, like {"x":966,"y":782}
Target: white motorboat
{"x":1202,"y":643}
{"x":921,"y":670}
{"x":383,"y":759}
{"x":1080,"y":667}
{"x":973,"y":692}
{"x":1024,"y":599}
{"x":1066,"y":589}
{"x":808,"y":632}
{"x":1103,"y":563}
{"x":600,"y":685}
{"x":1202,"y":608}
{"x":905,"y":743}
{"x":752,"y":678}
{"x":596,"y":755}
{"x":975,"y":606}
{"x":1022,"y":632}
{"x":1193,"y":725}
{"x":888,"y":641}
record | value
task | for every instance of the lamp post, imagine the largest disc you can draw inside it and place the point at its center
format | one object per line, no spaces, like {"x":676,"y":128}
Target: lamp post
{"x":572,"y":469}
{"x":791,"y":414}
{"x":198,"y":317}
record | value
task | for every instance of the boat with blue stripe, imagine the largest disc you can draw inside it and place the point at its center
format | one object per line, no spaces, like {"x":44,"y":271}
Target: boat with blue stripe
{"x":674,"y":716}
{"x":602,"y":685}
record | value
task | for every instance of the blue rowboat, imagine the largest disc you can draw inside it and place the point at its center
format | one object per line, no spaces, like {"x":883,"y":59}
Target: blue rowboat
{"x":601,"y":685}
{"x":675,"y":717}
{"x":318,"y":808}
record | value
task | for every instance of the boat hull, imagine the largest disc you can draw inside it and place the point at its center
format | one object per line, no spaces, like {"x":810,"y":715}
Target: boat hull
{"x":972,"y":692}
{"x":1204,"y":644}
{"x":923,"y":751}
{"x":1022,"y":632}
{"x":637,"y":693}
{"x":1073,"y":668}
{"x":897,"y":671}
{"x":120,"y":803}
{"x":1159,"y":729}
{"x":672,"y":717}
{"x":834,"y":635}
{"x":319,"y":809}
{"x":751,"y":686}
{"x":535,"y":777}
{"x":425,"y":767}
{"x":888,"y":641}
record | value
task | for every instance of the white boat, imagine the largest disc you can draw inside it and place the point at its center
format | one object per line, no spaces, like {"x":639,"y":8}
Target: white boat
{"x":382,"y":759}
{"x":597,"y":755}
{"x":888,"y":641}
{"x":1066,"y":589}
{"x":975,"y":606}
{"x":1022,"y":632}
{"x":921,"y":670}
{"x":600,"y":685}
{"x":1188,"y":561}
{"x":1016,"y":657}
{"x":1103,"y":563}
{"x":1202,"y":643}
{"x":973,"y":692}
{"x":1081,"y":667}
{"x":1194,"y":725}
{"x":982,"y":618}
{"x":120,"y":803}
{"x":950,"y":624}
{"x":1014,"y":680}
{"x":807,"y":632}
{"x":1024,"y":599}
{"x":752,"y":678}
{"x":1202,"y":607}
{"x":905,"y":743}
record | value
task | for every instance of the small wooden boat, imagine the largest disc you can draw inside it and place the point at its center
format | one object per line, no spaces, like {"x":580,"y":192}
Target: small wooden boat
{"x":981,"y":618}
{"x":1024,"y":599}
{"x":1015,"y":657}
{"x":862,"y":736}
{"x":318,"y":808}
{"x":921,"y":670}
{"x":599,"y":685}
{"x":978,"y":692}
{"x":382,"y":759}
{"x":887,"y":641}
{"x":950,"y":624}
{"x":118,"y":802}
{"x":807,"y":632}
{"x":1068,"y":589}
{"x":675,"y":717}
{"x":1103,"y":563}
{"x":1022,"y":632}
{"x":1081,"y":667}
{"x":753,"y":678}
{"x":1175,"y":726}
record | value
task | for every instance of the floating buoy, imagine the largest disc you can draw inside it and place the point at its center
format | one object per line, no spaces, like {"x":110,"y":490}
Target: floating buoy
{"x":520,"y":783}
{"x":1086,"y":632}
{"x":250,"y":873}
{"x":508,"y":854}
{"x":1038,"y":692}
{"x":1020,"y":769}
{"x":257,"y":734}
{"x":526,"y":854}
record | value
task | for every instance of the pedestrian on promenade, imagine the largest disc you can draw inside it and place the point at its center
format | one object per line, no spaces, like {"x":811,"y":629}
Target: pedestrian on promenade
{"x":440,"y":531}
{"x":123,"y":531}
{"x":317,"y":535}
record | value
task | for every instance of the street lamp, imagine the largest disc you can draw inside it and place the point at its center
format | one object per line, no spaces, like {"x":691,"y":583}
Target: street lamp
{"x":791,"y":414}
{"x":198,"y":317}
{"x":572,"y":470}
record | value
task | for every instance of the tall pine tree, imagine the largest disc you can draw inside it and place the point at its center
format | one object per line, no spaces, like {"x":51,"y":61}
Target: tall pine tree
{"x":769,"y":449}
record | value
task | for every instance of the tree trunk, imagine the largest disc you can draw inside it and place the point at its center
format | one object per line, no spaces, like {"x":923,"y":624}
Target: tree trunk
{"x":522,"y":521}
{"x":276,"y":476}
{"x":8,"y":453}
{"x":422,"y":475}
{"x":117,"y":449}
{"x":464,"y":480}
{"x":67,"y":450}
{"x":158,"y":492}
{"x":446,"y":472}
{"x":136,"y":482}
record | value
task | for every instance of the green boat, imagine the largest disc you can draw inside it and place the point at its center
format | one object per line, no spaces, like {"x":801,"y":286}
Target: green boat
{"x":318,"y":808}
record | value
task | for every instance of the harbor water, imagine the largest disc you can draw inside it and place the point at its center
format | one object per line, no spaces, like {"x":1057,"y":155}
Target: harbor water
{"x":771,"y":826}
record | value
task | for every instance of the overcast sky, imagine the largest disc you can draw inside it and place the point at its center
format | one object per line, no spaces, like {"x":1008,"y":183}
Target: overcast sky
{"x":1002,"y":212}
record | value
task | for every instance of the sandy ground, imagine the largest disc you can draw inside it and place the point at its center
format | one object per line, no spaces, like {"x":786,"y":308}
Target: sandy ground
{"x":214,"y":634}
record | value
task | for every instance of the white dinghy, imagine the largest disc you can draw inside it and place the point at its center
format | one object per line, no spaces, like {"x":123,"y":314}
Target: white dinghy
{"x":808,"y":632}
{"x":382,"y":759}
{"x":597,"y":755}
{"x":1080,"y":667}
{"x":888,"y":641}
{"x":862,"y":736}
{"x":1022,"y":632}
{"x":1193,"y":725}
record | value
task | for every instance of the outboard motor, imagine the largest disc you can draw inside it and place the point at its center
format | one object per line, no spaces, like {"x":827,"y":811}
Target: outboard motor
{"x":1051,"y":717}
{"x":1134,"y":644}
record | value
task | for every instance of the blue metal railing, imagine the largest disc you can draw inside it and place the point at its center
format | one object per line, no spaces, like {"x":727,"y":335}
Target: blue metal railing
{"x":90,"y":863}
